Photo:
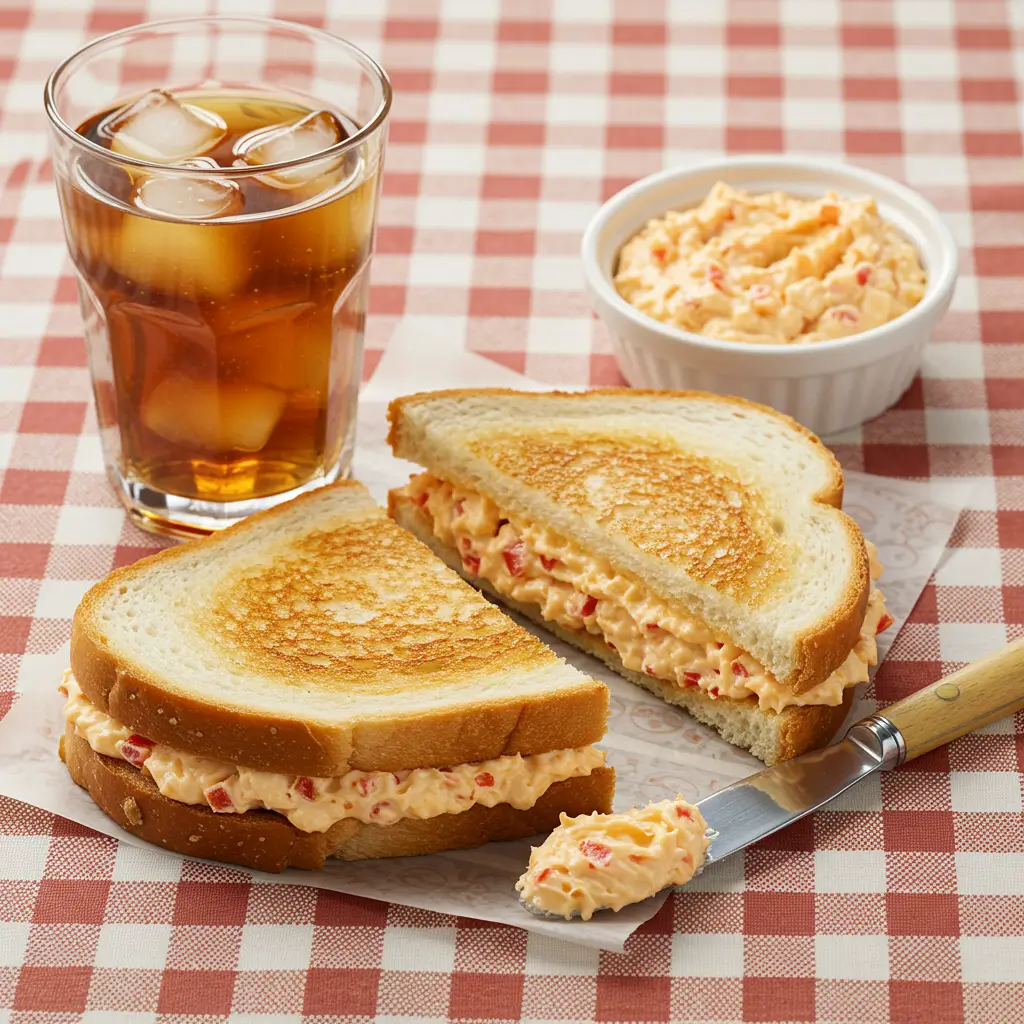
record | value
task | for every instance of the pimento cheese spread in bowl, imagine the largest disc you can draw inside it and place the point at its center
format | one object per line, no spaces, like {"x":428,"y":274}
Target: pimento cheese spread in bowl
{"x":771,"y":269}
{"x":806,"y":285}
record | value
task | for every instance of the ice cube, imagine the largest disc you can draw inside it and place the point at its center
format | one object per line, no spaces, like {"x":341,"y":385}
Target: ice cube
{"x":190,"y":259}
{"x":281,"y":340}
{"x":331,"y":236}
{"x":159,"y":128}
{"x":303,"y":138}
{"x":213,"y":417}
{"x":189,"y":198}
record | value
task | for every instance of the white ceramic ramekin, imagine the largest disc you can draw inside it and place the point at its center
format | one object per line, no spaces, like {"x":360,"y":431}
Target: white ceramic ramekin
{"x":827,"y":386}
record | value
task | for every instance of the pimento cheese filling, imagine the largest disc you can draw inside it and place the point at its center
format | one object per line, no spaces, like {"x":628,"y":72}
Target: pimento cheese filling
{"x":315,"y":804}
{"x":771,"y":269}
{"x":581,"y":592}
{"x":598,"y":861}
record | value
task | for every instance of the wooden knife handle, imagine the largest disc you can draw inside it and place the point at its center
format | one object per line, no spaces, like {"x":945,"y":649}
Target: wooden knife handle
{"x":982,"y":692}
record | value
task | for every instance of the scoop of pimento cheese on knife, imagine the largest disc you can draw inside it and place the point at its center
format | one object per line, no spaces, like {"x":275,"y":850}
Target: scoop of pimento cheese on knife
{"x":607,"y":861}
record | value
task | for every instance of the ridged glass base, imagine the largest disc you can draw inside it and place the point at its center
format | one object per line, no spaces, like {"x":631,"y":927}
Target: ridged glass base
{"x":175,"y":516}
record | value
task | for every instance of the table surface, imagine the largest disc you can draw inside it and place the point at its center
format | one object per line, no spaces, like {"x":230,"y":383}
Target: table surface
{"x":511,"y":124}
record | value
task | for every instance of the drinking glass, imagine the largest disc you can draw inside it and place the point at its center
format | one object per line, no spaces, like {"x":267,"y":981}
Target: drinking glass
{"x":218,"y":182}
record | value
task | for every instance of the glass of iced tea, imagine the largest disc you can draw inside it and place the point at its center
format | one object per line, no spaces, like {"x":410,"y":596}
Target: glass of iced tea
{"x":218,"y":180}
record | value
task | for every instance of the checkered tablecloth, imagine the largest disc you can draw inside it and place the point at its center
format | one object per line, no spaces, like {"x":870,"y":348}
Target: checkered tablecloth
{"x":512,"y":122}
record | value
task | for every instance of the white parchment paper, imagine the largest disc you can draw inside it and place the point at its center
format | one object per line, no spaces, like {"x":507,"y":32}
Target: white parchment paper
{"x":657,"y":750}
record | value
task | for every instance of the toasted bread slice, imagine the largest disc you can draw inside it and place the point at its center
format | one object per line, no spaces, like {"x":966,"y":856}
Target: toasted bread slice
{"x":768,"y":735}
{"x":319,"y":637}
{"x":726,"y":508}
{"x":268,"y":842}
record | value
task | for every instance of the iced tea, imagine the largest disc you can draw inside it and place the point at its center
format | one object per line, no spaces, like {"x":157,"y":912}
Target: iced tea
{"x":233,"y":307}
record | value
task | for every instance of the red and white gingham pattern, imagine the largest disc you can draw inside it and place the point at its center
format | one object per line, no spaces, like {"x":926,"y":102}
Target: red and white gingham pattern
{"x":512,"y":121}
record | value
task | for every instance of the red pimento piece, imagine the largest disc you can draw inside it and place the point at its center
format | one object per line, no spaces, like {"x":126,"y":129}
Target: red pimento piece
{"x":659,"y":252}
{"x":398,"y":781}
{"x":740,"y":670}
{"x":682,"y":812}
{"x":422,"y":499}
{"x":651,"y":627}
{"x":718,"y":646}
{"x":864,"y":273}
{"x":588,"y":607}
{"x":884,"y":623}
{"x":594,"y":851}
{"x":376,"y":808}
{"x":542,"y":875}
{"x":716,"y":275}
{"x":484,"y":779}
{"x":713,"y":690}
{"x":844,"y":314}
{"x":459,"y":507}
{"x":649,"y":670}
{"x":219,"y":798}
{"x":548,"y":563}
{"x":637,"y":857}
{"x":135,"y":749}
{"x":515,"y":558}
{"x":470,"y":562}
{"x":693,"y":678}
{"x":365,"y":785}
{"x":305,"y":787}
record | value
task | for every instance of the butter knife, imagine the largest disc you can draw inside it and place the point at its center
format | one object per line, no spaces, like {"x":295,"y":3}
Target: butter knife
{"x":761,"y":804}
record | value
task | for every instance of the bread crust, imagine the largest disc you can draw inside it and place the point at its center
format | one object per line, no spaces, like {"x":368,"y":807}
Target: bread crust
{"x":573,"y":716}
{"x":269,"y":842}
{"x":768,"y":735}
{"x":819,"y":650}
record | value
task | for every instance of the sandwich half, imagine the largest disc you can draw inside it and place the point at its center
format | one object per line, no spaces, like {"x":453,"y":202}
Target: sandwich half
{"x":314,"y":683}
{"x":692,"y":542}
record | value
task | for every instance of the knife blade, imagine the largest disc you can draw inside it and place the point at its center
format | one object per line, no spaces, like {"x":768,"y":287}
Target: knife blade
{"x":761,"y":804}
{"x":753,"y":808}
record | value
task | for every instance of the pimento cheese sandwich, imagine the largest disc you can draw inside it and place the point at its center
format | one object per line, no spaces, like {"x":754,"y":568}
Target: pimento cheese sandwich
{"x":314,"y":683}
{"x":694,"y":543}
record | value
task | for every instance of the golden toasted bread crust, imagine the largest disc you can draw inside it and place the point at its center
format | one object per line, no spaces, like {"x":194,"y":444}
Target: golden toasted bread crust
{"x":745,"y":568}
{"x":461,"y":731}
{"x":269,"y":842}
{"x":768,"y":735}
